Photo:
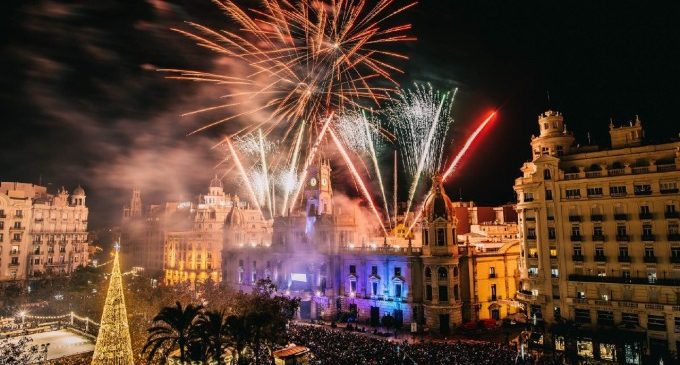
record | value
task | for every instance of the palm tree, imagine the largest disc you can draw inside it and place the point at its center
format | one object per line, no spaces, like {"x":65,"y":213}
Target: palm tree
{"x":212,"y":329}
{"x":237,"y":331}
{"x":172,"y":327}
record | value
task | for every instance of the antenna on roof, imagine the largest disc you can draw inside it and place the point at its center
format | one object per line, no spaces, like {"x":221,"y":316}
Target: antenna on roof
{"x":547,"y":93}
{"x":588,"y":138}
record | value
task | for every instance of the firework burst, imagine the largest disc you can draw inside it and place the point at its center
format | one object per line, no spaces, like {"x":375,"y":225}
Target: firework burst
{"x":306,"y":59}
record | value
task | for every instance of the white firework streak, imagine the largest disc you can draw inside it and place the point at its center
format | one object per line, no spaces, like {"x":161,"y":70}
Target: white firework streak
{"x":288,"y":178}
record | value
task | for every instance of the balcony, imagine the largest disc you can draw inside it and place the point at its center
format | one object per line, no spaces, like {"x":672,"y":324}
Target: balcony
{"x":674,"y":236}
{"x":14,"y":252}
{"x":624,"y":258}
{"x":492,"y":276}
{"x":596,"y":217}
{"x":621,"y":216}
{"x":643,"y":192}
{"x":598,"y":237}
{"x":666,"y":167}
{"x":669,"y":215}
{"x":600,"y":258}
{"x":623,"y":237}
{"x":648,"y":238}
{"x":493,"y":298}
{"x":577,"y":257}
{"x":669,"y":191}
{"x":532,"y":238}
{"x":17,"y":229}
{"x":530,"y":219}
{"x":13,"y":264}
{"x":551,"y":218}
{"x":3,"y":215}
{"x":574,"y":218}
{"x":646,"y":215}
{"x":649,"y":259}
{"x":525,"y":295}
{"x":576,"y":238}
{"x":623,"y":280}
{"x":675,"y":259}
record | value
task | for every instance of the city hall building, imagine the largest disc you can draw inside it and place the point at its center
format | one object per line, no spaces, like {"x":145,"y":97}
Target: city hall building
{"x":600,"y":242}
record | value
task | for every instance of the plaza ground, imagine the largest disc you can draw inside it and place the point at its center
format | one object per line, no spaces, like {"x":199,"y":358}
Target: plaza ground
{"x":62,"y":343}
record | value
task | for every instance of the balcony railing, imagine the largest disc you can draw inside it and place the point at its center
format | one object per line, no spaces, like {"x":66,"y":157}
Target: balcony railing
{"x":574,"y":218}
{"x":669,"y":215}
{"x":624,"y":258}
{"x":598,"y":237}
{"x":577,"y":257}
{"x":640,"y":169}
{"x":666,"y":167}
{"x":623,"y":280}
{"x":576,"y":238}
{"x":646,"y":215}
{"x":596,"y":217}
{"x":669,"y":191}
{"x":615,"y":172}
{"x":675,"y":259}
{"x":674,"y":236}
{"x":13,"y":264}
{"x":649,"y":259}
{"x":590,"y":174}
{"x":492,"y":275}
{"x":623,"y":237}
{"x":642,"y":192}
{"x":648,"y":237}
{"x":600,"y":258}
{"x":621,"y":216}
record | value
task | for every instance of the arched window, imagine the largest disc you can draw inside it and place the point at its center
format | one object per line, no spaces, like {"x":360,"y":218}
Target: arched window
{"x":546,"y":174}
{"x":455,"y":292}
{"x":442,"y":273}
{"x":428,"y":272}
{"x":455,"y":271}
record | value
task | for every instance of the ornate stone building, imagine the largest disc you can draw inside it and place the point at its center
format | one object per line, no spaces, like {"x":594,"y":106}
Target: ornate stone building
{"x":600,"y":241}
{"x":41,"y":233}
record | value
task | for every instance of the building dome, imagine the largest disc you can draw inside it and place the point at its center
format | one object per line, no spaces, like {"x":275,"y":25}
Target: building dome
{"x":438,"y":204}
{"x":79,"y":191}
{"x":216,"y":182}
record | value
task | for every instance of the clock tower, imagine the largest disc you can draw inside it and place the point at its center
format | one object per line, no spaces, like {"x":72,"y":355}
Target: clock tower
{"x":318,"y":190}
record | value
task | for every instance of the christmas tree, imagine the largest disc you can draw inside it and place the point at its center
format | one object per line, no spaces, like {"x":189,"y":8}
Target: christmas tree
{"x":113,"y":341}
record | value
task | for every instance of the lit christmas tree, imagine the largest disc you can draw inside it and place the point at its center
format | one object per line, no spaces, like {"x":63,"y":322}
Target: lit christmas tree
{"x":113,"y":341}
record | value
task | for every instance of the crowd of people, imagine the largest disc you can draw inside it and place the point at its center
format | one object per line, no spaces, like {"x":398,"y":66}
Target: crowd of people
{"x":339,"y":347}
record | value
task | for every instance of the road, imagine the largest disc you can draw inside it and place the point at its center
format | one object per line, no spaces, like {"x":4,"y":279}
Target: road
{"x":62,"y":343}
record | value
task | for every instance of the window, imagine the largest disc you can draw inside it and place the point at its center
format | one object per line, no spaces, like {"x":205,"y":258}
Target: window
{"x":577,"y":251}
{"x":374,"y":270}
{"x":644,"y":209}
{"x":575,"y":231}
{"x":621,"y":230}
{"x":642,"y":189}
{"x":531,"y":233}
{"x":428,"y":272}
{"x":441,"y":237}
{"x":455,"y":292}
{"x":677,"y":324}
{"x":353,"y":269}
{"x":443,"y":293}
{"x":16,"y":237}
{"x":670,"y":208}
{"x":374,"y":288}
{"x":649,"y":252}
{"x":455,"y":271}
{"x":533,"y":271}
{"x":630,"y":319}
{"x":18,"y":213}
{"x":546,"y":174}
{"x":605,"y":318}
{"x":528,"y":197}
{"x":492,"y":272}
{"x":545,"y":151}
{"x":554,"y":272}
{"x":397,"y":290}
{"x":551,"y":233}
{"x":617,"y":190}
{"x":560,"y":150}
{"x":595,"y":191}
{"x":651,"y":276}
{"x":623,"y":251}
{"x":548,"y":195}
{"x":442,"y":273}
{"x":673,"y":228}
{"x":573,"y":193}
{"x":597,"y":231}
{"x":397,"y":271}
{"x":656,"y":323}
{"x":352,"y":286}
{"x":582,"y":315}
{"x":426,"y":238}
{"x":647,"y":229}
{"x":428,"y":292}
{"x":599,"y":251}
{"x":668,"y":186}
{"x":553,"y":252}
{"x":675,"y":252}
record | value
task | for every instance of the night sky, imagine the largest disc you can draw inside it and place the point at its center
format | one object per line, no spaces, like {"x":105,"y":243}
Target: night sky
{"x":81,"y":101}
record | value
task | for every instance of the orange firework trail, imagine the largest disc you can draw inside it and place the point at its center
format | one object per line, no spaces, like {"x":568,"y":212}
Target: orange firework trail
{"x":452,"y":167}
{"x":354,"y":171}
{"x":244,"y":176}
{"x":304,"y":59}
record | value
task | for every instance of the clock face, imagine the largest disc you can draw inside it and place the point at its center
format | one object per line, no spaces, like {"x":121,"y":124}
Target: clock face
{"x":312,"y":181}
{"x":324,"y":182}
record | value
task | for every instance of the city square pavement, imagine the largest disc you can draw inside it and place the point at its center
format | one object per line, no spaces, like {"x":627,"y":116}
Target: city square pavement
{"x":62,"y":343}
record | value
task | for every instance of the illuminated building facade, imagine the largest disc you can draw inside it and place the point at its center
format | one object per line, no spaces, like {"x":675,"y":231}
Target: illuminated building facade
{"x":600,"y":241}
{"x":41,"y":234}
